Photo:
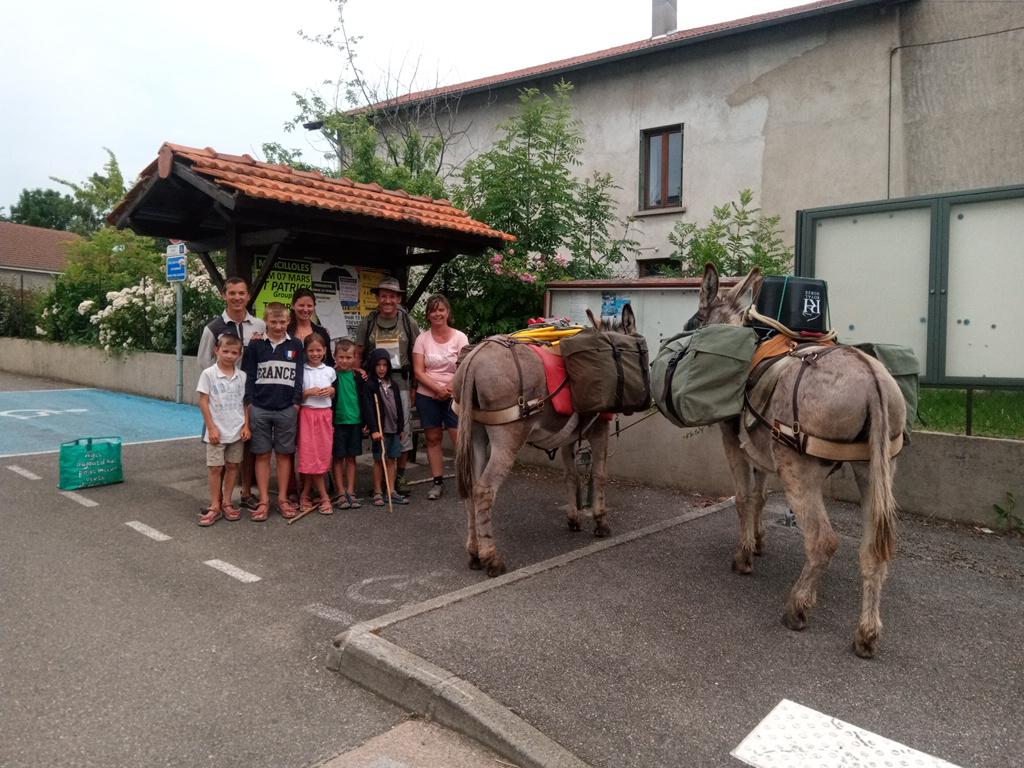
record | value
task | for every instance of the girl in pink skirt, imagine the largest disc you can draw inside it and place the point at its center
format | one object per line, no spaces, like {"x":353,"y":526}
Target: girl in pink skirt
{"x":316,"y":424}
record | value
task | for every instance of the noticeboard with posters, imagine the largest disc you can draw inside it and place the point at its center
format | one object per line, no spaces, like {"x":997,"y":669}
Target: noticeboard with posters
{"x":343,"y":293}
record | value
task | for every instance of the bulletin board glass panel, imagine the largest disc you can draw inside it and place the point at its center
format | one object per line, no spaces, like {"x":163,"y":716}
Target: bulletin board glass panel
{"x":877,"y":268}
{"x":984,"y":335}
{"x":660,"y":314}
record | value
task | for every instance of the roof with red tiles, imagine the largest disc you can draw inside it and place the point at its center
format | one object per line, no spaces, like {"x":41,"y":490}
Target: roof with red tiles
{"x":34,"y":248}
{"x":629,"y":50}
{"x":243,"y":175}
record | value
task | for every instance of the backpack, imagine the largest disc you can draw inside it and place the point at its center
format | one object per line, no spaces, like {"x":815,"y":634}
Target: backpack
{"x":699,"y":376}
{"x":608,"y":371}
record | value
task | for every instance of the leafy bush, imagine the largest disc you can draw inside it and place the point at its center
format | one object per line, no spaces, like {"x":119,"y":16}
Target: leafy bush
{"x":19,"y":311}
{"x":735,"y":241}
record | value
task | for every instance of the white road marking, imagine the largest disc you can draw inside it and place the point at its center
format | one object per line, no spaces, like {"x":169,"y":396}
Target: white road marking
{"x":23,"y":472}
{"x":329,"y":613}
{"x":232,"y":570}
{"x":145,"y":530}
{"x":400,"y":582}
{"x":795,"y":736}
{"x":137,"y":442}
{"x":79,"y":498}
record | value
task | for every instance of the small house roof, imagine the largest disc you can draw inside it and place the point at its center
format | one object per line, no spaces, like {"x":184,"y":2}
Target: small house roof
{"x":35,"y":249}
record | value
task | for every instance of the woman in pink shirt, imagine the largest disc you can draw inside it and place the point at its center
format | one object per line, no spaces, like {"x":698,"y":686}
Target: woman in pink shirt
{"x":434,"y":355}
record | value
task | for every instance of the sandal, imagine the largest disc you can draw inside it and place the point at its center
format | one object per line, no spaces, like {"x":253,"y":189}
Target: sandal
{"x":287,"y":509}
{"x":305,"y":506}
{"x":231,"y":513}
{"x":326,"y":508}
{"x":353,"y":501}
{"x":210,"y":516}
{"x":397,"y":498}
{"x":378,"y":499}
{"x":341,"y":501}
{"x":248,"y":502}
{"x":261,"y":512}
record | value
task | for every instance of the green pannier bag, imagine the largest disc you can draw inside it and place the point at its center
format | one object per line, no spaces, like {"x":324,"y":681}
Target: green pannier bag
{"x":904,"y":366}
{"x":699,"y":376}
{"x":608,"y":371}
{"x":90,"y":461}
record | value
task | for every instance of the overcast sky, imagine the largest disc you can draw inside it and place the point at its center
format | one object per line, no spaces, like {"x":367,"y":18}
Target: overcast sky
{"x":131,"y":74}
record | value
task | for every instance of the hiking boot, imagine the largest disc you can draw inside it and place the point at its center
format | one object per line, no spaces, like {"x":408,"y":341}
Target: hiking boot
{"x":435,"y":492}
{"x":401,"y":486}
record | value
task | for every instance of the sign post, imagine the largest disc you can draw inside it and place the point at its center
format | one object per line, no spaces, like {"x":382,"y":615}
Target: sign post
{"x":177,"y":271}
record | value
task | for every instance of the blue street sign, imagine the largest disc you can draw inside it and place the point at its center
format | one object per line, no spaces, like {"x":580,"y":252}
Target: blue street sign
{"x":177,"y":268}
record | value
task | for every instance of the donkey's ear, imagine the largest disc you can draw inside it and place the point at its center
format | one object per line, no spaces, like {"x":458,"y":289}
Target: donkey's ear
{"x":593,"y":321}
{"x":745,"y":293}
{"x":628,"y":320}
{"x":709,"y":287}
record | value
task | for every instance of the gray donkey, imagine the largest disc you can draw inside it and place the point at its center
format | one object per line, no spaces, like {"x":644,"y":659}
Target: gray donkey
{"x":845,"y":400}
{"x":502,"y":395}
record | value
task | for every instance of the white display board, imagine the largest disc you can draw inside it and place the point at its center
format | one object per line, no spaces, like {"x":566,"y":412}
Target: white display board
{"x":877,"y":269}
{"x":984,"y":335}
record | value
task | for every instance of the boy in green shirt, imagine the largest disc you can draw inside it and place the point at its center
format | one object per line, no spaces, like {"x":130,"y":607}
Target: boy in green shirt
{"x":349,"y":424}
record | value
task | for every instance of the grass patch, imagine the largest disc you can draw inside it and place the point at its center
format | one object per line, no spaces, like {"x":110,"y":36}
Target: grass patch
{"x":996,"y":413}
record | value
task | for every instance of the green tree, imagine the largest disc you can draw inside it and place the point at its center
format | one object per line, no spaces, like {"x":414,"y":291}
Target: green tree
{"x":736,"y":240}
{"x":47,"y":208}
{"x":96,"y":196}
{"x":525,"y":185}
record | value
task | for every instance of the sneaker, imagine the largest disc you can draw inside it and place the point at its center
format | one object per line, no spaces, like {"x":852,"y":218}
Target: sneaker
{"x":435,"y":492}
{"x":397,"y":498}
{"x":401,"y":486}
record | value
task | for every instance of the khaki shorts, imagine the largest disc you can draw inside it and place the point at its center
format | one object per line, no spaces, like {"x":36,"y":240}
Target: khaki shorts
{"x":219,"y":455}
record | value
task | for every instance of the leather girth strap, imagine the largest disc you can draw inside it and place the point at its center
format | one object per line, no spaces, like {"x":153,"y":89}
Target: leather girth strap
{"x":794,"y":437}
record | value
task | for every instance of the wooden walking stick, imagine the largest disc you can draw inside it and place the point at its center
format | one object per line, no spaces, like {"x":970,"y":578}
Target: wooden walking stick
{"x":383,"y":452}
{"x":302,"y":514}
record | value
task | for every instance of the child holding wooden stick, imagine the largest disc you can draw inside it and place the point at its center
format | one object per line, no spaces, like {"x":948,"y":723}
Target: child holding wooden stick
{"x":382,"y":398}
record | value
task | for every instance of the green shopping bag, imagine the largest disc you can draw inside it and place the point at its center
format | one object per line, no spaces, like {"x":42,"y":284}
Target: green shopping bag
{"x":90,"y":461}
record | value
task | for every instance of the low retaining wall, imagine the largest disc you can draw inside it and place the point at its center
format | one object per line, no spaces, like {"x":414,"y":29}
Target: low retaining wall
{"x":946,"y":476}
{"x":138,"y":373}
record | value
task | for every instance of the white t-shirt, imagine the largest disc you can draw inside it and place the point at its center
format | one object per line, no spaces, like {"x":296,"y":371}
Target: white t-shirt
{"x":314,"y":378}
{"x":226,"y":406}
{"x":439,"y":359}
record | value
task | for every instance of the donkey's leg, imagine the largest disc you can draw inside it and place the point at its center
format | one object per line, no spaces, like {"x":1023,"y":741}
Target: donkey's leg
{"x":758,"y":497}
{"x":873,"y":572}
{"x":743,"y":477}
{"x":598,"y":436}
{"x":803,"y":479}
{"x":570,"y":478}
{"x":505,"y":441}
{"x":479,"y":437}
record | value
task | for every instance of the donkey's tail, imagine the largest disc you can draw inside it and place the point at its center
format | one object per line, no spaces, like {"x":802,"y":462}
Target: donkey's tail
{"x":881,"y":501}
{"x":464,"y":440}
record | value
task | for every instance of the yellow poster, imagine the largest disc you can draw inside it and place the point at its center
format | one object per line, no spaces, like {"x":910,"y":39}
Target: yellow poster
{"x":368,"y":280}
{"x":285,"y":278}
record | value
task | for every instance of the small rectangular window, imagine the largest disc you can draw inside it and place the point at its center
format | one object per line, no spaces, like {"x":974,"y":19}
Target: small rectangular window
{"x":662,"y":167}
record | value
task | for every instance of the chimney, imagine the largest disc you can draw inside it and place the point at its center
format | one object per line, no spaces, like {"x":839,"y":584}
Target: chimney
{"x":663,"y":17}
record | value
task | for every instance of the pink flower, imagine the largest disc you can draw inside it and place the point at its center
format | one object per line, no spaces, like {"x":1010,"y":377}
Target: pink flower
{"x":563,"y":259}
{"x":526,"y":277}
{"x":497,"y":259}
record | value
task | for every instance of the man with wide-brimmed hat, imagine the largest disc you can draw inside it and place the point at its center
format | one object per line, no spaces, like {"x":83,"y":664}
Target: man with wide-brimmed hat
{"x":391,"y":327}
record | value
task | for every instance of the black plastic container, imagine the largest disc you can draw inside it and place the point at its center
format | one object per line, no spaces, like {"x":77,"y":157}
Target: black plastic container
{"x":799,"y":303}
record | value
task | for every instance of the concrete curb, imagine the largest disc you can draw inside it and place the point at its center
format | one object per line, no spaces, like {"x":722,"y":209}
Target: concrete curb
{"x":423,"y":688}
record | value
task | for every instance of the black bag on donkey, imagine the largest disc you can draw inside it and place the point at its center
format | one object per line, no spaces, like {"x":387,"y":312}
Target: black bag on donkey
{"x":608,"y":371}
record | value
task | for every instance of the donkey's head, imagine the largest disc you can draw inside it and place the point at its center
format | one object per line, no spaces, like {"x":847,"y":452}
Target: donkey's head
{"x":727,"y":308}
{"x":625,"y":324}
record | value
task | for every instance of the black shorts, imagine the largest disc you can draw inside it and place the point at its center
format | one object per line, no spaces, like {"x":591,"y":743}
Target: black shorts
{"x":348,"y":440}
{"x":435,"y":413}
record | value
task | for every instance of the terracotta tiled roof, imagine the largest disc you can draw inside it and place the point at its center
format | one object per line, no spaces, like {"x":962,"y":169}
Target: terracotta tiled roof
{"x":628,"y":50}
{"x":33,"y":248}
{"x":280,"y":183}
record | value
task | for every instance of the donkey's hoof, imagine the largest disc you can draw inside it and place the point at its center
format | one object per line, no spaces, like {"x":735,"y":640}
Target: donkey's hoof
{"x":496,"y":567}
{"x":743,"y":564}
{"x":602,"y":530}
{"x":758,"y":548}
{"x":795,"y":620}
{"x":864,"y":644}
{"x":474,"y":563}
{"x":574,"y":525}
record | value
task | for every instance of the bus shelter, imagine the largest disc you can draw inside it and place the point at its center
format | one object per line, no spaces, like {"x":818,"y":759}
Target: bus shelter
{"x":284,"y":228}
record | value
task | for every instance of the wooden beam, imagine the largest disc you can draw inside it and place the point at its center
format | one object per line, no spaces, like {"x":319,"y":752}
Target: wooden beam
{"x":415,"y":294}
{"x":211,"y":269}
{"x":205,"y":186}
{"x":268,"y":265}
{"x":263,"y":237}
{"x":210,"y":244}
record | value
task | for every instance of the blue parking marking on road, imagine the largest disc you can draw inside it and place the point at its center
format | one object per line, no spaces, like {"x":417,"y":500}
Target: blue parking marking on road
{"x":39,"y":421}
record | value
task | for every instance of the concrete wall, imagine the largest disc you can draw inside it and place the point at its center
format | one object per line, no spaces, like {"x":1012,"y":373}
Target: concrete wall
{"x":946,"y":476}
{"x":800,"y":113}
{"x":142,"y":373}
{"x":29,"y":281}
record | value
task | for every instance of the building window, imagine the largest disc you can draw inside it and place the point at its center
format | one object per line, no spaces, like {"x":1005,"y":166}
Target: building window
{"x":662,"y":166}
